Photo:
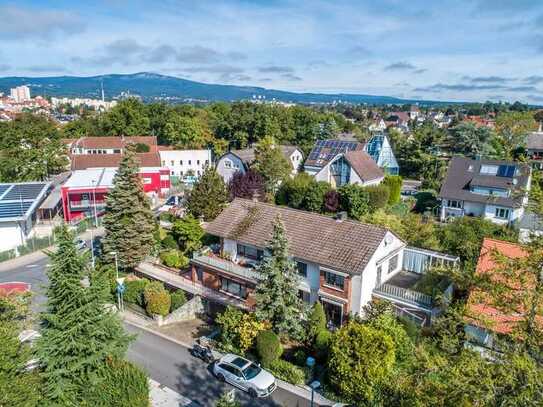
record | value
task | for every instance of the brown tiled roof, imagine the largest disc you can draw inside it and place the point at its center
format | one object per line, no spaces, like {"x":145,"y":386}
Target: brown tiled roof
{"x":84,"y":161}
{"x":115,"y":142}
{"x":345,"y":245}
{"x":364,"y":165}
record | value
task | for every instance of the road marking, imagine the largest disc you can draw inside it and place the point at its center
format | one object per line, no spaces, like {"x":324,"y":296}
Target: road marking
{"x":30,"y":266}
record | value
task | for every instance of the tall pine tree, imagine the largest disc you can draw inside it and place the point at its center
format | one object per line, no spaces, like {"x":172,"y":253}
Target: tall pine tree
{"x":79,"y":334}
{"x":128,"y":219}
{"x":208,"y":196}
{"x":276,"y":294}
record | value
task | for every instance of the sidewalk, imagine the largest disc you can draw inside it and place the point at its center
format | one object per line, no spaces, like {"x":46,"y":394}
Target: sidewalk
{"x":162,"y":396}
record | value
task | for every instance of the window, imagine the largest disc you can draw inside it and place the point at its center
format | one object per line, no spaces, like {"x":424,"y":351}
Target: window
{"x":147,"y":180}
{"x":198,"y":172}
{"x":199,"y":274}
{"x":207,"y":162}
{"x":502,"y":213}
{"x":172,"y":163}
{"x":454,"y":204}
{"x":489,"y":169}
{"x":302,"y":268}
{"x":197,"y":162}
{"x":334,"y":280}
{"x":117,"y":151}
{"x":250,"y":252}
{"x":180,"y":162}
{"x":393,"y":264}
{"x":227,"y":164}
{"x":190,"y":162}
{"x":163,"y":163}
{"x":231,"y":369}
{"x":379,"y":273}
{"x":181,"y":173}
{"x":233,"y":288}
{"x":172,"y":173}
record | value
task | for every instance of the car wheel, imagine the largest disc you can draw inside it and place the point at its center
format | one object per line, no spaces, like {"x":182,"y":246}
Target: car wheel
{"x":252,"y":392}
{"x":220,"y":376}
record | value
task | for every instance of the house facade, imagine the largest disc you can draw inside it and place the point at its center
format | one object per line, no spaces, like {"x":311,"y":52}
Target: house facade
{"x":534,"y":148}
{"x":491,"y":189}
{"x":344,"y":264}
{"x":185,"y":163}
{"x":241,"y":160}
{"x":85,"y":192}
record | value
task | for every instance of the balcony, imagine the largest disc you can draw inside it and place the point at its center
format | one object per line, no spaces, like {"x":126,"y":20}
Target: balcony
{"x":87,"y":204}
{"x":400,"y":289}
{"x":206,"y":258}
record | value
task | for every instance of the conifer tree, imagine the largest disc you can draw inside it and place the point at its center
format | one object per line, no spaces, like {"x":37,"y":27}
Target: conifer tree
{"x":276,"y":294}
{"x":128,"y":219}
{"x":79,"y":334}
{"x":271,"y":163}
{"x":208,"y":196}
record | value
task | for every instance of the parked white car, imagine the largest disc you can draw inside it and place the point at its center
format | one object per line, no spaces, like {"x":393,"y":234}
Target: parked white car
{"x":245,"y":375}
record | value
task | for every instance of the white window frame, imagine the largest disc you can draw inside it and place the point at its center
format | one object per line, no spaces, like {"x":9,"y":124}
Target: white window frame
{"x":498,"y":213}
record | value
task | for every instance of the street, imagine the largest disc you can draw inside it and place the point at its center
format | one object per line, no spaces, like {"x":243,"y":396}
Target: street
{"x":166,"y":362}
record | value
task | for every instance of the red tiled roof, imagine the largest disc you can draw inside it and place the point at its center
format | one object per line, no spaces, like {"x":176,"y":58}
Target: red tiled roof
{"x":481,"y":310}
{"x":84,"y":161}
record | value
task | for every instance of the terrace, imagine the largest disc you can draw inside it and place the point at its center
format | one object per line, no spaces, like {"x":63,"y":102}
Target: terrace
{"x":244,"y":268}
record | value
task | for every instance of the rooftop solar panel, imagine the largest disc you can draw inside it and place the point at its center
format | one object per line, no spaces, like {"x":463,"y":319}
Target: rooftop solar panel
{"x":4,"y":188}
{"x":14,"y":209}
{"x":24,"y":191}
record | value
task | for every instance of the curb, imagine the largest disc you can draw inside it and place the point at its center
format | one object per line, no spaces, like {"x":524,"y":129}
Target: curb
{"x":291,"y":388}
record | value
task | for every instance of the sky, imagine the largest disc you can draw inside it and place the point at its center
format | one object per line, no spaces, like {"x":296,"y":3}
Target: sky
{"x":468,"y":50}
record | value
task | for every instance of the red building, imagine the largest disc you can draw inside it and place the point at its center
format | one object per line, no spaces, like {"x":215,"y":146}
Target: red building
{"x":84,"y":193}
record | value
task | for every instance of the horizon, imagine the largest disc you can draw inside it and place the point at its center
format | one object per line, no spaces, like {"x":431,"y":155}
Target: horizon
{"x":405,"y":50}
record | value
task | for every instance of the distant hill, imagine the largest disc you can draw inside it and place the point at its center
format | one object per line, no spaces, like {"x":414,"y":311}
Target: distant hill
{"x":151,"y":86}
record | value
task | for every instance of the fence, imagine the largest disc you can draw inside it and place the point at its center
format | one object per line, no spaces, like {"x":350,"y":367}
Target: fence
{"x":34,"y":244}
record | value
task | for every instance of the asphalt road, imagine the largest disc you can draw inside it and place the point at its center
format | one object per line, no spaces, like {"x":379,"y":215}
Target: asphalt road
{"x":166,"y":362}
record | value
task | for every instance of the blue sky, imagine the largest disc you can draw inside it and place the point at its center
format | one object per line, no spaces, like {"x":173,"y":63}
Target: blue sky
{"x":443,"y":49}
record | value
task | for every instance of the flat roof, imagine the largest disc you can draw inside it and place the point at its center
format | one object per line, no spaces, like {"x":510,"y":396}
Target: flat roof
{"x":19,"y":200}
{"x":93,"y":177}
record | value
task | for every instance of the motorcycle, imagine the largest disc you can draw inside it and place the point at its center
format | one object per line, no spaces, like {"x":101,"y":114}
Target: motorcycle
{"x":202,"y":351}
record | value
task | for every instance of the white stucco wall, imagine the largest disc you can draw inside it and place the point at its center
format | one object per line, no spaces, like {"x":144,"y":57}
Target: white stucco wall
{"x":361,"y":292}
{"x":177,"y":161}
{"x":235,"y":165}
{"x":10,"y":235}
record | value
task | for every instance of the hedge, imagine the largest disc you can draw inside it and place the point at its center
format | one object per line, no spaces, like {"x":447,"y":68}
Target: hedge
{"x":174,"y":258}
{"x":157,"y":299}
{"x":178,"y":298}
{"x":378,"y":196}
{"x":134,"y":291}
{"x":287,"y":371}
{"x":394,"y":183}
{"x":268,"y":347}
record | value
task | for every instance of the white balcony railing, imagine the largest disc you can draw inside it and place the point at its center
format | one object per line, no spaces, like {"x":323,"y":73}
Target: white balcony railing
{"x":392,"y":293}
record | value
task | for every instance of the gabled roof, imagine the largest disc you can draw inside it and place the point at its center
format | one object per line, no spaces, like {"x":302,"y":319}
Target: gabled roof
{"x":84,"y":161}
{"x":364,"y":165}
{"x":345,"y":245}
{"x":325,"y":151}
{"x":247,"y":155}
{"x":463,"y":173}
{"x":481,"y":310}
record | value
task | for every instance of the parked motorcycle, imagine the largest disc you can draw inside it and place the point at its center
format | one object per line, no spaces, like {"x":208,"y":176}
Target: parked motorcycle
{"x":203,"y":351}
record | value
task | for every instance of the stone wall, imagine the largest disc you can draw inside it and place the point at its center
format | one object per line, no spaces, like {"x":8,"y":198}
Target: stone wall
{"x":188,"y":311}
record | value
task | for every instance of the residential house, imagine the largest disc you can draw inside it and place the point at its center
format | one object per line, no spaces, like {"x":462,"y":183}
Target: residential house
{"x":184,"y":165}
{"x":414,"y":112}
{"x":534,"y":148}
{"x":19,"y":204}
{"x":486,"y":320}
{"x":84,"y":194}
{"x":241,"y":160}
{"x":377,"y":125}
{"x":492,"y":189}
{"x":108,"y":145}
{"x":342,"y":263}
{"x":398,"y":120}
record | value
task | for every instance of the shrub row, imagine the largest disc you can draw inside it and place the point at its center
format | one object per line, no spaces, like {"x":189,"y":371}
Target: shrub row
{"x":152,"y":296}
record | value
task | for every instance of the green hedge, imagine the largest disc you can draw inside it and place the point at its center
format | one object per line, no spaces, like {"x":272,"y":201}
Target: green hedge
{"x":268,"y":347}
{"x":134,"y":291}
{"x":394,"y":183}
{"x":287,"y":371}
{"x":178,"y":299}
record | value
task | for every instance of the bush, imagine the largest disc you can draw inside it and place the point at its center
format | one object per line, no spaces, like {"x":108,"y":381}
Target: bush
{"x":174,"y":259}
{"x":134,"y":291}
{"x":377,"y":196}
{"x":316,"y":322}
{"x":314,"y":196}
{"x":288,"y":372}
{"x":169,"y":242}
{"x":238,"y":329}
{"x":268,"y":347}
{"x":178,"y":298}
{"x":354,"y":199}
{"x":300,"y":357}
{"x":157,"y":299}
{"x":123,"y":384}
{"x":322,"y":344}
{"x":394,"y":183}
{"x":331,"y":201}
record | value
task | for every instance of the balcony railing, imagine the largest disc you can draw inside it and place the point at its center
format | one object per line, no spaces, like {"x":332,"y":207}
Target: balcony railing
{"x":87,"y":204}
{"x":392,"y":293}
{"x":210,"y":260}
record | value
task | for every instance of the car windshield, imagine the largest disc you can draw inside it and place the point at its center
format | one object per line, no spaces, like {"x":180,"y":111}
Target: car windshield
{"x":251,"y":371}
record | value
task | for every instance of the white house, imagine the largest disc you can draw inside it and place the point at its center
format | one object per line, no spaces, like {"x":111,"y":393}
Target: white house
{"x":19,"y":203}
{"x":342,"y":263}
{"x":241,"y":160}
{"x":491,"y":189}
{"x":182,"y":163}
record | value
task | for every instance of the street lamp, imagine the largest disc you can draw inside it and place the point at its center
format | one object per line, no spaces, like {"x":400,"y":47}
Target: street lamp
{"x":120,"y":283}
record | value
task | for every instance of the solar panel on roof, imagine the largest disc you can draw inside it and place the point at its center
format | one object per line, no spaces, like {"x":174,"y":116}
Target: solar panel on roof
{"x":13,"y":209}
{"x":506,"y":171}
{"x":3,"y":188}
{"x":24,"y":191}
